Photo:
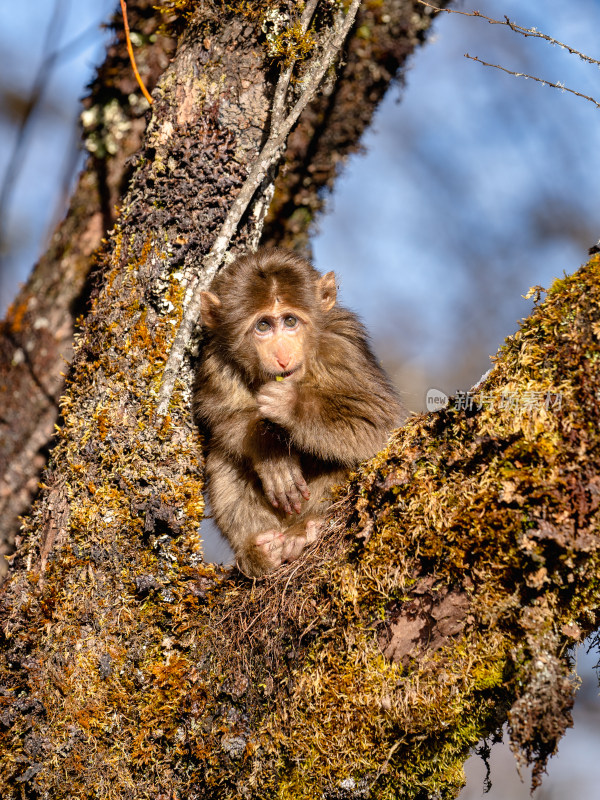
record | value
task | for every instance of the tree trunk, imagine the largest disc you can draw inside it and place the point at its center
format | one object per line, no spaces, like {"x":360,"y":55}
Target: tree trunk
{"x":455,"y":569}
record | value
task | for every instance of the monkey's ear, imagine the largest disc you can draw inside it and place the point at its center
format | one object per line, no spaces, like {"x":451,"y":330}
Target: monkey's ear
{"x":209,"y":309}
{"x":327,"y":291}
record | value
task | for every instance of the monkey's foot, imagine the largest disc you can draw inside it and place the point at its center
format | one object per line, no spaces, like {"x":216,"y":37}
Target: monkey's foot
{"x":274,"y":547}
{"x":313,"y":528}
{"x":298,"y":536}
{"x":270,"y":545}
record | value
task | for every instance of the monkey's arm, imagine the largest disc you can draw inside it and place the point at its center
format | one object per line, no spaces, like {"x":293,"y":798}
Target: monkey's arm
{"x":228,"y":410}
{"x":343,"y":416}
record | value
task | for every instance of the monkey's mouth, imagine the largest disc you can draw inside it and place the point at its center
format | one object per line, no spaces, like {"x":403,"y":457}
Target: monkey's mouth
{"x":282,"y":375}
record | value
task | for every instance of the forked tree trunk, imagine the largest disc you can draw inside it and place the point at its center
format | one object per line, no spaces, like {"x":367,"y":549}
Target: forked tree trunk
{"x":457,"y":566}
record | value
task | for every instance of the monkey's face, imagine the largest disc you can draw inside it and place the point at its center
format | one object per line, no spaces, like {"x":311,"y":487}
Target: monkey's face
{"x":265,"y":314}
{"x":279,"y":337}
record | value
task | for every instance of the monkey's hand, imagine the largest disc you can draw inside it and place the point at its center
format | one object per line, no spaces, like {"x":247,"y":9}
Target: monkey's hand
{"x":282,"y":481}
{"x":276,"y":401}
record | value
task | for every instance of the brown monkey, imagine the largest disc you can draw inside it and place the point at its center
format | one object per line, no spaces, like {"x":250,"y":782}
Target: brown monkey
{"x":291,"y":399}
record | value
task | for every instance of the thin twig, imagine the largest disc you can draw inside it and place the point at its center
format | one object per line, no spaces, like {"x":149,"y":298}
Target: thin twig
{"x":138,"y":77}
{"x":259,"y":170}
{"x":533,"y":78}
{"x":278,"y":109}
{"x":526,"y":32}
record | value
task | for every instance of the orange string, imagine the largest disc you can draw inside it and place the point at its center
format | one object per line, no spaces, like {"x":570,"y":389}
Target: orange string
{"x":131,"y":56}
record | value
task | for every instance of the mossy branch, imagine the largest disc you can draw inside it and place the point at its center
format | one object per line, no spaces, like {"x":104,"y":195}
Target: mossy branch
{"x":459,"y":566}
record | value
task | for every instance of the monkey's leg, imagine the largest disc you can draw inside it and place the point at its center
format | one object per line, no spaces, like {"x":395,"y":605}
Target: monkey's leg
{"x":307,"y":529}
{"x":253,"y":527}
{"x":308,"y":526}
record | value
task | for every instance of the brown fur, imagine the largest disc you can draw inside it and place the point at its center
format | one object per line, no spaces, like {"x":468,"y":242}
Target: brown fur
{"x":276,"y":447}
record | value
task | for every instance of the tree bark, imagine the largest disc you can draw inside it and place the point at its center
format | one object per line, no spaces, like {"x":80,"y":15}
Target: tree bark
{"x":456,"y":568}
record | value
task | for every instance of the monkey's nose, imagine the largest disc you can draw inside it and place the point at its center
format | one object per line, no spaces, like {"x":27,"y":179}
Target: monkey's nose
{"x":283,"y":360}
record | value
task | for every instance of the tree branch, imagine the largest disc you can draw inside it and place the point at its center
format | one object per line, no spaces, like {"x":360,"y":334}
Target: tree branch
{"x":36,"y":338}
{"x":281,"y":90}
{"x":526,"y":32}
{"x":543,"y":81}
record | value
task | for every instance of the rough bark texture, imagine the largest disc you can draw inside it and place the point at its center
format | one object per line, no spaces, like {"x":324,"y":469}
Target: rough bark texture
{"x":457,"y":567}
{"x":35,"y":354}
{"x":36,"y":338}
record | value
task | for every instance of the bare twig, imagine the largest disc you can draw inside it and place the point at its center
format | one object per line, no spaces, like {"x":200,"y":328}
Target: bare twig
{"x":533,"y":78}
{"x":138,"y":77}
{"x":267,"y":157}
{"x":526,"y":32}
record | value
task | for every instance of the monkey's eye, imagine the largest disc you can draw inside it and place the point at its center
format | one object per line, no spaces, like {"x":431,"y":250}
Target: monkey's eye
{"x":290,"y":321}
{"x":262,"y":326}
